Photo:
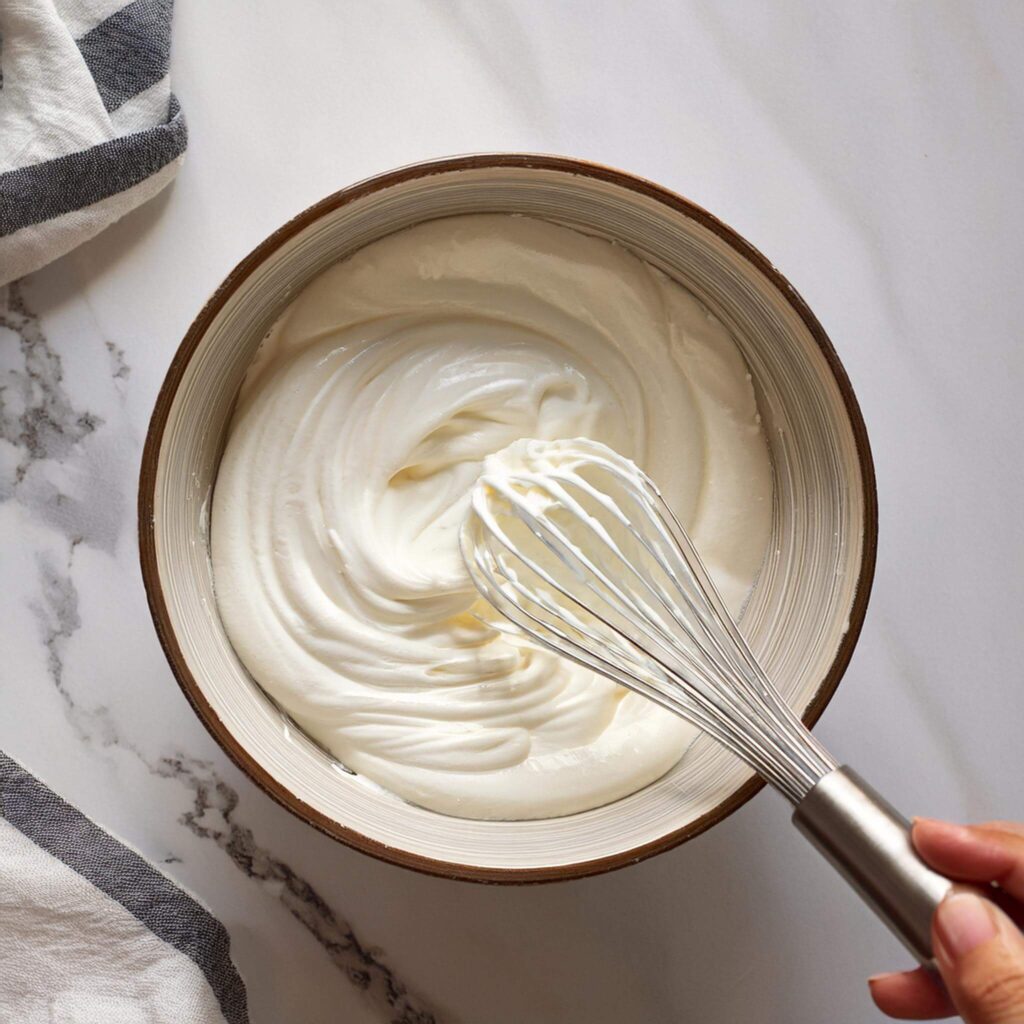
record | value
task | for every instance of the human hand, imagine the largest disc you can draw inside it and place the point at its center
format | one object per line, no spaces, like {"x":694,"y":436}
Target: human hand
{"x":979,"y":947}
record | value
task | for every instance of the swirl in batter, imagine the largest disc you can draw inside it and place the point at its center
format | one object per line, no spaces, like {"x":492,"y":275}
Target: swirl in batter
{"x":360,"y":430}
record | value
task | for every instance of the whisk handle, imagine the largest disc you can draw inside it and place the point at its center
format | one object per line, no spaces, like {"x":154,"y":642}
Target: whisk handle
{"x":868,"y":842}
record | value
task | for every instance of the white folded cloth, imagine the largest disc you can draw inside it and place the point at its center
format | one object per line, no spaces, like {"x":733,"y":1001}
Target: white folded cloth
{"x":90,"y":932}
{"x":89,"y":128}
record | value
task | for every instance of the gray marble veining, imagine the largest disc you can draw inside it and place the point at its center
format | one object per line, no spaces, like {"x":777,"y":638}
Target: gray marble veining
{"x":212,"y":816}
{"x":44,"y":426}
{"x":119,"y":368}
{"x":40,"y":420}
{"x":37,"y":417}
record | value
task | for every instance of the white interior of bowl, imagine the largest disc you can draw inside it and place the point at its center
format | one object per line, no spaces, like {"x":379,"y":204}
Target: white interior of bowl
{"x":796,"y":617}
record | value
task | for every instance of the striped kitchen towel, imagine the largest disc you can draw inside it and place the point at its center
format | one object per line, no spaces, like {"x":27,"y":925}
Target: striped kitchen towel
{"x":89,"y":931}
{"x":89,"y":128}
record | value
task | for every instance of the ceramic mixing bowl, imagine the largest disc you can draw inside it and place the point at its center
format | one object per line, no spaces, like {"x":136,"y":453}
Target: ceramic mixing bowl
{"x":802,"y":619}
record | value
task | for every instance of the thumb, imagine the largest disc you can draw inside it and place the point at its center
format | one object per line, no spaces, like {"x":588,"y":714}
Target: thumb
{"x":980,"y":953}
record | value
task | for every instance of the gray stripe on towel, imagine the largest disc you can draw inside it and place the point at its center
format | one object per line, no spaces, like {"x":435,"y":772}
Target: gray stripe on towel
{"x":167,"y":911}
{"x":129,"y":51}
{"x":30,"y":195}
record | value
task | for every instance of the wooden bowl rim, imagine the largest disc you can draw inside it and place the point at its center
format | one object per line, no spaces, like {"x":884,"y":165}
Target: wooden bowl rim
{"x":147,"y":533}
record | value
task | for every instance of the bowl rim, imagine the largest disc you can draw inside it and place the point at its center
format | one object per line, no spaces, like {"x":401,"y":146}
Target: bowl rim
{"x":147,"y":498}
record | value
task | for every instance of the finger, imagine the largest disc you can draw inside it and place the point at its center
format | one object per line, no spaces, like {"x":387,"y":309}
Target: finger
{"x":911,"y":995}
{"x":975,"y":853}
{"x":1013,"y":909}
{"x":1013,"y":827}
{"x":980,"y":953}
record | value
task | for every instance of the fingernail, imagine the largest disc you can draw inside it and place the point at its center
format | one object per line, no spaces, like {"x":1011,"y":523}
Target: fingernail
{"x":885,"y":975}
{"x":962,"y":923}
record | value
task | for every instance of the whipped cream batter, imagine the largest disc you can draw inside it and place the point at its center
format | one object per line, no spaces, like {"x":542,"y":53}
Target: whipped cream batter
{"x":360,"y":431}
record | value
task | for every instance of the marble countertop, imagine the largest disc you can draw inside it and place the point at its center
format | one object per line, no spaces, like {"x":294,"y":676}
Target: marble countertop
{"x":874,"y":151}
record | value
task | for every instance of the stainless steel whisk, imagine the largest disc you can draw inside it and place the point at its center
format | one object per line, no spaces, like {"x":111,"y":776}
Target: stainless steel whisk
{"x":588,"y":560}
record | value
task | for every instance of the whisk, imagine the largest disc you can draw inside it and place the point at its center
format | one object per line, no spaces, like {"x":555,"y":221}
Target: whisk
{"x":585,"y":557}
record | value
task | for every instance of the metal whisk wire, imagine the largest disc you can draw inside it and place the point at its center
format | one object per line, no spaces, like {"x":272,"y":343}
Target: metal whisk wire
{"x":606,"y":576}
{"x":588,"y":560}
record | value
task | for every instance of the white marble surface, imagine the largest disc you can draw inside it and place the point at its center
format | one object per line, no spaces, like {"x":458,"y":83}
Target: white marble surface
{"x":874,"y":151}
